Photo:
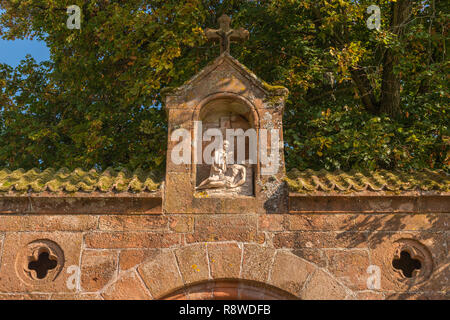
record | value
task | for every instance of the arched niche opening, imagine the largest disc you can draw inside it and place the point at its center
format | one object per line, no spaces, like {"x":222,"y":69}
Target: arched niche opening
{"x":230,"y":290}
{"x":228,"y":127}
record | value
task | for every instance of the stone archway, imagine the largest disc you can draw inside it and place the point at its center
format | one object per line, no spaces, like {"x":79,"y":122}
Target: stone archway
{"x":226,"y":269}
{"x":229,"y":290}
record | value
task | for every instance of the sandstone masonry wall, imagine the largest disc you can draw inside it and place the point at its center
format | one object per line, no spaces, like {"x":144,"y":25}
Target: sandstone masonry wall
{"x":179,"y":256}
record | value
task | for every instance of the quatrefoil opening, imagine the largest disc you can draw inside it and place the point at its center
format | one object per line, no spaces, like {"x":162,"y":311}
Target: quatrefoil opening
{"x":42,"y":262}
{"x":409,"y":266}
{"x":411,"y":261}
{"x":39,"y":262}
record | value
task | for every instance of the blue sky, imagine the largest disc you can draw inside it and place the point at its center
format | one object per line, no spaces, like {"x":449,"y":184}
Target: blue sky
{"x":12,"y":52}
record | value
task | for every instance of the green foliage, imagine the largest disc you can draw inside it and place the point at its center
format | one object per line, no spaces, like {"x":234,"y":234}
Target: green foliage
{"x":97,"y":102}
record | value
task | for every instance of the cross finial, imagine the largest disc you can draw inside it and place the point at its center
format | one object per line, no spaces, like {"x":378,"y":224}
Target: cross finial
{"x":225,"y":34}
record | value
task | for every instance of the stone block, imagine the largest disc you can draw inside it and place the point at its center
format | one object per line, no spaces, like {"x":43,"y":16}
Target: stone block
{"x":211,"y":228}
{"x":98,"y":268}
{"x":129,"y":258}
{"x":320,"y":222}
{"x":14,"y":278}
{"x":122,"y":240}
{"x":257,"y":262}
{"x":161,"y":274}
{"x":311,"y":239}
{"x":127,"y":287}
{"x":224,"y":260}
{"x":316,"y":256}
{"x":76,"y":296}
{"x":35,"y":223}
{"x":181,"y":224}
{"x":290,"y":272}
{"x":401,"y":222}
{"x":193,"y":263}
{"x":322,"y":286}
{"x":434,"y":272}
{"x":270,"y":222}
{"x":178,"y":193}
{"x":350,"y":267}
{"x":133,"y":223}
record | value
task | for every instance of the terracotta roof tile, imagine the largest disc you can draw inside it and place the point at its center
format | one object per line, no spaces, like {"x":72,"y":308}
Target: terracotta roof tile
{"x":78,"y":180}
{"x":354,"y":181}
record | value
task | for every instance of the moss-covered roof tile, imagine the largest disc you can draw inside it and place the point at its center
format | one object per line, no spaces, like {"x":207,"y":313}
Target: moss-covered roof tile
{"x":356,"y":181}
{"x":78,"y":180}
{"x":110,"y":180}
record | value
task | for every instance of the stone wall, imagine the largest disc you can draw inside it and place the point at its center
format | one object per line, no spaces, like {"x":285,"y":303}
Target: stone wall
{"x":307,"y":253}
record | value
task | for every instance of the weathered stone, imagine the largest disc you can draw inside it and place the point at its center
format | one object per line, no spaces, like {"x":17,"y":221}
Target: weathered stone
{"x":36,"y":223}
{"x":92,"y":205}
{"x":433,"y":274}
{"x":224,"y":260}
{"x":418,"y":296}
{"x":369,"y":295}
{"x":401,"y":222}
{"x":98,"y":268}
{"x":2,"y":238}
{"x":322,"y":286}
{"x":210,"y":228}
{"x":24,"y":296}
{"x":316,"y":256}
{"x":13,"y":279}
{"x":127,"y":287}
{"x":367,"y":203}
{"x":130,"y":258}
{"x":322,"y":222}
{"x":270,"y":222}
{"x":310,"y":239}
{"x":122,"y":240}
{"x":133,"y":223}
{"x":225,"y":34}
{"x":290,"y":272}
{"x":181,"y":224}
{"x":225,"y":88}
{"x":178,"y":184}
{"x":193,"y":263}
{"x":76,"y":296}
{"x":161,"y":274}
{"x":350,"y":267}
{"x":256,"y":262}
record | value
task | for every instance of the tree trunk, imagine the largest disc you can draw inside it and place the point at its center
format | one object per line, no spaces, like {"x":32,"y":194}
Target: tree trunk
{"x":365,"y":89}
{"x":390,"y":86}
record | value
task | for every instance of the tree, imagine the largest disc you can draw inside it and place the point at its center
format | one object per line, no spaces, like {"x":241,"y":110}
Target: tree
{"x":359,"y":98}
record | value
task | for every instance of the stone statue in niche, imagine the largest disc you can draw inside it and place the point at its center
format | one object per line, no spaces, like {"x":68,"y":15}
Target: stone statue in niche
{"x":230,"y":171}
{"x":219,"y":175}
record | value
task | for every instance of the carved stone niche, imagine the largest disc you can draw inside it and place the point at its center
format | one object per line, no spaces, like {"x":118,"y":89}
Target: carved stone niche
{"x":227,"y":114}
{"x":234,"y":123}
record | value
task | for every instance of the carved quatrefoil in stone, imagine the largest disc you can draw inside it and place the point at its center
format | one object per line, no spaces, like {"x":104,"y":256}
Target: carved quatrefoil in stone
{"x":40,"y":262}
{"x":411,"y":262}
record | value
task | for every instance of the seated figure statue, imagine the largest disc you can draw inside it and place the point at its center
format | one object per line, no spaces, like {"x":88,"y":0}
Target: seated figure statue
{"x":217,"y":177}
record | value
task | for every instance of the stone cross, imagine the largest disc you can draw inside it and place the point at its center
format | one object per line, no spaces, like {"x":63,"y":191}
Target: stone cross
{"x":225,"y":34}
